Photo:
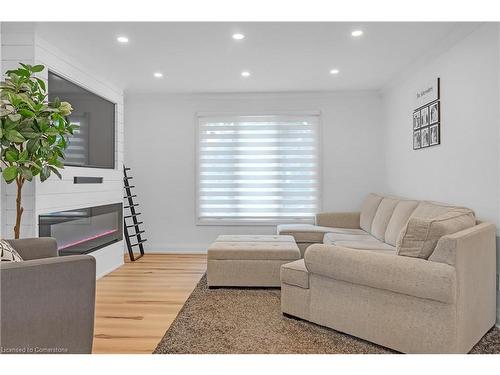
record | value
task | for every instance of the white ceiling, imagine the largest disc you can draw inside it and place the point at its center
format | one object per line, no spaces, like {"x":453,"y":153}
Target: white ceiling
{"x":202,"y":57}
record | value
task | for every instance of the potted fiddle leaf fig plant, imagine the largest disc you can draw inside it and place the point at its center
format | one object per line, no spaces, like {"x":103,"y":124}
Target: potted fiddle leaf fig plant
{"x":34,"y":132}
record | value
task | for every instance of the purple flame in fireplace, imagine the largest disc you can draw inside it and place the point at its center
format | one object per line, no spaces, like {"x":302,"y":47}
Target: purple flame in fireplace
{"x":83,"y":240}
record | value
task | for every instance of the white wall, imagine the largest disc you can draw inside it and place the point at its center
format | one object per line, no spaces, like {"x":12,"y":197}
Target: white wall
{"x":20,"y":43}
{"x":465,"y":168}
{"x":160,"y":149}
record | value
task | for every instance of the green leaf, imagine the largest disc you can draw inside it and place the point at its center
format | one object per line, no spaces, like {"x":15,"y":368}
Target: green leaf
{"x":23,"y":72}
{"x":57,"y":163}
{"x":52,"y":131}
{"x":23,"y":156}
{"x":29,"y":134}
{"x":33,"y":145}
{"x":41,"y":82}
{"x":35,"y":169}
{"x":44,"y":173}
{"x":15,"y":117}
{"x":11,"y":156}
{"x":26,"y":113}
{"x":9,"y":124}
{"x":56,"y":103}
{"x":14,"y":136}
{"x":26,"y":173}
{"x":9,"y":174}
{"x":37,"y":68}
{"x":60,"y":153}
{"x":56,"y":172}
{"x":43,"y":124}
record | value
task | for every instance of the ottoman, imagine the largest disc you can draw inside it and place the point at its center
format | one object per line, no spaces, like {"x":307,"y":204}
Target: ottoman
{"x":249,"y":261}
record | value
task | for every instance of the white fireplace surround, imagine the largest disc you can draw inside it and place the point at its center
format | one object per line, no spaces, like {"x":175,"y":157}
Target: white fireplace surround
{"x":20,"y":43}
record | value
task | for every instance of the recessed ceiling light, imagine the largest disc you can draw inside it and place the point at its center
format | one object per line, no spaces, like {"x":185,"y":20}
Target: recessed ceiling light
{"x":238,"y":36}
{"x":158,"y":75}
{"x":357,"y":33}
{"x":122,"y":39}
{"x":334,"y":71}
{"x":245,"y":74}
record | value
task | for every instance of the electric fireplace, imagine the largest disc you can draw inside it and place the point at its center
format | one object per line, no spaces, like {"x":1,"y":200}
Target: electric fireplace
{"x":83,"y":230}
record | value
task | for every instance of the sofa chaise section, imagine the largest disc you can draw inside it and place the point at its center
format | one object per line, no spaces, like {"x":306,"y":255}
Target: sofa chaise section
{"x":361,"y":284}
{"x":308,"y":234}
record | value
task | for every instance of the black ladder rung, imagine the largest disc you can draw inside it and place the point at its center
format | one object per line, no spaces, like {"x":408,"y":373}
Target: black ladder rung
{"x":131,"y":205}
{"x":137,"y":233}
{"x":134,"y":225}
{"x":127,"y":178}
{"x":130,"y":186}
{"x":126,"y":169}
{"x":138,"y":243}
{"x":129,"y":216}
{"x":130,"y":196}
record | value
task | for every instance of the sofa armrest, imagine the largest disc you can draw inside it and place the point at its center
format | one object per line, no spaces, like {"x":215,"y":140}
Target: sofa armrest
{"x":48,"y":304}
{"x":466,"y":243}
{"x":473,"y":254}
{"x":411,"y":276}
{"x":35,"y":248}
{"x":338,"y":219}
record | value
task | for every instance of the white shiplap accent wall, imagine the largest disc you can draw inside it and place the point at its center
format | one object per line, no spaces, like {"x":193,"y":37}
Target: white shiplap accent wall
{"x":20,"y":43}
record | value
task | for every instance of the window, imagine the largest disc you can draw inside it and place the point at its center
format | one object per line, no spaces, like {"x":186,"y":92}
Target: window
{"x":257,"y":169}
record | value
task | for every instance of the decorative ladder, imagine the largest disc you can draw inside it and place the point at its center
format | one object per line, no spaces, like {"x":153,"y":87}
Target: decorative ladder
{"x":132,"y":228}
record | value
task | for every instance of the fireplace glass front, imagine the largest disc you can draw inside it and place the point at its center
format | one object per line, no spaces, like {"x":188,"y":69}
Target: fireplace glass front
{"x":83,"y":230}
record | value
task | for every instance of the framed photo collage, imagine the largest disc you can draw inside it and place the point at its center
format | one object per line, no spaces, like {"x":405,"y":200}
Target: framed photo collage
{"x":427,"y":123}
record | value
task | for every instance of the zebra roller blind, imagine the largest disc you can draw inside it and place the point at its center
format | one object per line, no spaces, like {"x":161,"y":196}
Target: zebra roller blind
{"x":258,"y":168}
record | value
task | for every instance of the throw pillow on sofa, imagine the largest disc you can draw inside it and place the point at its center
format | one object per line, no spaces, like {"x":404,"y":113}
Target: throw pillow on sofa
{"x":428,"y":224}
{"x":8,"y":253}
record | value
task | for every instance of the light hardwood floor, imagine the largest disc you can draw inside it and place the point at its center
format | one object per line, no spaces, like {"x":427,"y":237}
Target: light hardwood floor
{"x":136,"y":303}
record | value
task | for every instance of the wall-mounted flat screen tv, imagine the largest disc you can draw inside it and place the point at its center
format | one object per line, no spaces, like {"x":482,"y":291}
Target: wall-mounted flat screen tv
{"x":93,"y":144}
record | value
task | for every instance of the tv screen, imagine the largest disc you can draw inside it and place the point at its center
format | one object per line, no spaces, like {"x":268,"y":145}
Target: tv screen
{"x":93,"y":143}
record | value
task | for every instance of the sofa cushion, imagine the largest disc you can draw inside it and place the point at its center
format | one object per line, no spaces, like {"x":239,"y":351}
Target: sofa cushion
{"x":358,"y":242}
{"x":303,"y":232}
{"x":368,"y":211}
{"x":295,"y":273}
{"x":428,"y":223}
{"x":399,"y":218}
{"x":309,"y":233}
{"x":8,"y":253}
{"x":347,"y":231}
{"x":367,"y":245}
{"x":429,"y":209}
{"x":331,"y":238}
{"x":382,"y":217}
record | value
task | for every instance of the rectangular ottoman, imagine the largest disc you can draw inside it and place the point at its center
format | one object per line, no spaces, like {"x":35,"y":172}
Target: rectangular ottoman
{"x":249,"y":260}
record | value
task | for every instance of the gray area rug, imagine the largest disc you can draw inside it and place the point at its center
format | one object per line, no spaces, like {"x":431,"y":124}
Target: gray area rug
{"x":236,"y":321}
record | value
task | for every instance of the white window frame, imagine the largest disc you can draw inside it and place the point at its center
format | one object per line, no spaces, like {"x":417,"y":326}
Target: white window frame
{"x":256,"y":222}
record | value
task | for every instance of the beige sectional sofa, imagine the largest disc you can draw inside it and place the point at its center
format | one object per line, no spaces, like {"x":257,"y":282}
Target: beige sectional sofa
{"x":414,"y":276}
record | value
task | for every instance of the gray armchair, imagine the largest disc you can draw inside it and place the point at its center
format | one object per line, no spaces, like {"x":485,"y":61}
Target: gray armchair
{"x":47,"y":302}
